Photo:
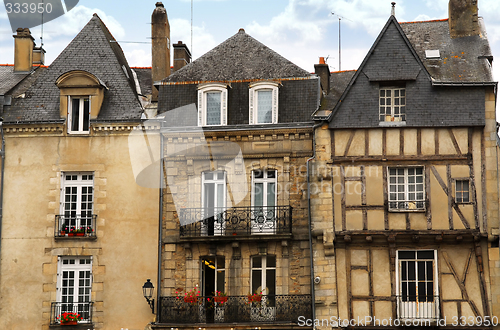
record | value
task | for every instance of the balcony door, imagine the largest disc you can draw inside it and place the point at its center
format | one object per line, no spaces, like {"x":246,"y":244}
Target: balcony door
{"x":77,"y":200}
{"x":264,"y":280}
{"x":212,"y":280}
{"x":264,"y":197}
{"x":74,"y":286}
{"x":214,"y":203}
{"x":418,"y":293}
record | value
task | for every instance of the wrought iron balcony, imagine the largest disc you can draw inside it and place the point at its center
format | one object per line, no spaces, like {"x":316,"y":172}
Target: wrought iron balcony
{"x":84,"y":309}
{"x":420,"y":307}
{"x":236,"y":309}
{"x":75,"y":226}
{"x":254,"y":220}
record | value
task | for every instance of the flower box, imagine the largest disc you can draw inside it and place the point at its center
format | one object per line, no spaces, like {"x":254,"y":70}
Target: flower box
{"x":190,"y":299}
{"x":80,"y":234}
{"x":69,"y":323}
{"x":221,"y":299}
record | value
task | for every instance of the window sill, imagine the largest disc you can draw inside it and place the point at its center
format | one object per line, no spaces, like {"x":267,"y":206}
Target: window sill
{"x":392,"y":123}
{"x":406,"y":210}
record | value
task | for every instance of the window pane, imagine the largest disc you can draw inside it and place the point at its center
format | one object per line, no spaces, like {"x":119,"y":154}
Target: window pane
{"x":214,"y":108}
{"x":256,"y":280}
{"x":406,"y":254}
{"x":271,"y":194}
{"x":425,"y":254}
{"x":256,"y":262}
{"x":75,"y":114}
{"x":264,"y":106}
{"x":271,"y":261}
{"x":258,"y":194}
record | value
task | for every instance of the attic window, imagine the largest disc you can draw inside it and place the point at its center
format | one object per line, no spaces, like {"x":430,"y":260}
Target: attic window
{"x":392,"y":104}
{"x":263,"y":103}
{"x":434,"y":53}
{"x":212,"y":104}
{"x":81,"y":97}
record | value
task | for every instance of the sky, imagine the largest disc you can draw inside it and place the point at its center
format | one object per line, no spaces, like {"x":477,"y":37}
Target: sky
{"x":300,"y":30}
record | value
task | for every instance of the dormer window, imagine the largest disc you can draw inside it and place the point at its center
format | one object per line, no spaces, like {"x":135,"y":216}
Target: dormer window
{"x":392,"y":104}
{"x":263,"y":103}
{"x":212,"y":104}
{"x":81,"y":97}
{"x":79,"y":114}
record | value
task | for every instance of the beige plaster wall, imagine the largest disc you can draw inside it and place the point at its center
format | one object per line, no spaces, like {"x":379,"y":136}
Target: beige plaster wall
{"x":124,"y":253}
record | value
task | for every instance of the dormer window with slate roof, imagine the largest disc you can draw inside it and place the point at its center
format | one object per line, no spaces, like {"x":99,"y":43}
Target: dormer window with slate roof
{"x":392,"y":104}
{"x":212,"y":104}
{"x":81,"y":97}
{"x":263,"y":103}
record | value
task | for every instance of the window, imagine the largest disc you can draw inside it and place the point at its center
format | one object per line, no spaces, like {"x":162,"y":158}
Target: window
{"x":74,"y":285}
{"x":79,"y":115}
{"x":263,"y":103}
{"x":406,"y":188}
{"x":264,"y":202}
{"x":417,"y":284}
{"x":212,"y":275}
{"x":214,"y":202}
{"x":77,"y":200}
{"x":264,"y":280}
{"x":212,"y":105}
{"x":392,"y":104}
{"x":462,"y":191}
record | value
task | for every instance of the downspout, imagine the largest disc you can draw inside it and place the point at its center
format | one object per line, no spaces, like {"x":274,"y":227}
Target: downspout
{"x":2,"y":153}
{"x":311,"y":254}
{"x":160,"y":231}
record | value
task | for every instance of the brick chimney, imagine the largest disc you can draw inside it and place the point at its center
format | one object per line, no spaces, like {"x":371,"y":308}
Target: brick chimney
{"x":463,"y":20}
{"x":182,"y":55}
{"x":323,"y":72}
{"x":23,"y":50}
{"x":160,"y":34}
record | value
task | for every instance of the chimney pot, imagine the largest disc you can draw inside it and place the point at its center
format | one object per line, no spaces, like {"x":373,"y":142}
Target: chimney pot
{"x":23,"y":50}
{"x":182,"y":55}
{"x":160,"y":47}
{"x":323,"y":72}
{"x":393,"y":9}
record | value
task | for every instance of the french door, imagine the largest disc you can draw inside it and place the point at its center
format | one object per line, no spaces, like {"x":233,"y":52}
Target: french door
{"x":214,"y":203}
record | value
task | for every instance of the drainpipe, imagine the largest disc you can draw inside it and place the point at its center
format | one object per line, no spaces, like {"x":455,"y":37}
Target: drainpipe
{"x":2,"y":153}
{"x":310,"y":222}
{"x":160,"y":232}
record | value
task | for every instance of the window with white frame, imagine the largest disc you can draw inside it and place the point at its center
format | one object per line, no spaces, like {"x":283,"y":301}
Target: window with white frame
{"x":264,"y":275}
{"x":417,"y":284}
{"x":392,"y":104}
{"x":74,"y":285}
{"x":406,"y":188}
{"x":77,"y":201}
{"x":264,"y":201}
{"x":212,"y":104}
{"x":79,"y":114}
{"x":214,"y":202}
{"x":462,"y":194}
{"x":263,"y":103}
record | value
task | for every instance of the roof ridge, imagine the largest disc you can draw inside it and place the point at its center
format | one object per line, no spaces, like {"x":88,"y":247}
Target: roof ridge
{"x":428,"y":21}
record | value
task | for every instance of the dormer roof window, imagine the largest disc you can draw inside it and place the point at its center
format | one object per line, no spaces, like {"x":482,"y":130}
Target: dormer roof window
{"x":81,"y":97}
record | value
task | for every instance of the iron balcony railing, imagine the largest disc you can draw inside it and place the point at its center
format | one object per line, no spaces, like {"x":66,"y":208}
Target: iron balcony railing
{"x":252,"y":220}
{"x":75,"y":226}
{"x":235,"y":309}
{"x":57,"y":309}
{"x":420,"y":307}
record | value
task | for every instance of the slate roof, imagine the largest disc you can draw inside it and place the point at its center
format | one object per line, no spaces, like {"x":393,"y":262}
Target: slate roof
{"x":93,"y":50}
{"x":338,"y":83}
{"x":145,"y":80}
{"x":463,"y":59}
{"x":239,"y":57}
{"x":9,"y":79}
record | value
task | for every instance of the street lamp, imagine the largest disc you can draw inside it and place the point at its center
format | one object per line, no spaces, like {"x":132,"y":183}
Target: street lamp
{"x":147,"y":291}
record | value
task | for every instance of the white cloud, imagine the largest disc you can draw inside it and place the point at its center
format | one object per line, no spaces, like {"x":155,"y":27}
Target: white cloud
{"x":203,"y":41}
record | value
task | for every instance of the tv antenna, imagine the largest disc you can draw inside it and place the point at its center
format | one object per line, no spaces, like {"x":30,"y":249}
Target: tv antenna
{"x":340,"y":48}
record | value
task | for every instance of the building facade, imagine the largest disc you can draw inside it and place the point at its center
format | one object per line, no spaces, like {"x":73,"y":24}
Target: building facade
{"x":407,"y":164}
{"x":237,"y":134}
{"x":72,"y":209}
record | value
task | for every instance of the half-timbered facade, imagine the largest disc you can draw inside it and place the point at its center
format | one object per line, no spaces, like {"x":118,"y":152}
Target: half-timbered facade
{"x":406,"y":164}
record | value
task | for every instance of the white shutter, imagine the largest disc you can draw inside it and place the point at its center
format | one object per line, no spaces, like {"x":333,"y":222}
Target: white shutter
{"x":275,"y":105}
{"x":250,"y":106}
{"x":68,"y":119}
{"x":224,"y":108}
{"x":200,"y":108}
